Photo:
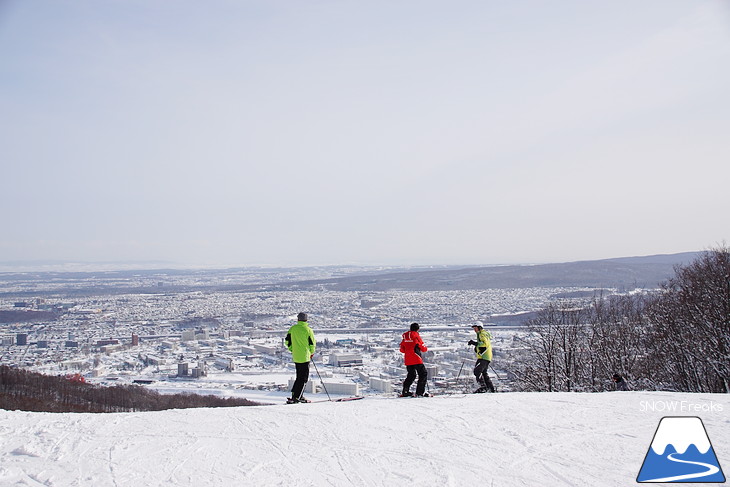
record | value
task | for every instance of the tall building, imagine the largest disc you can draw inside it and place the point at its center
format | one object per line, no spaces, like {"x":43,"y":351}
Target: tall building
{"x":21,"y":339}
{"x":182,"y":369}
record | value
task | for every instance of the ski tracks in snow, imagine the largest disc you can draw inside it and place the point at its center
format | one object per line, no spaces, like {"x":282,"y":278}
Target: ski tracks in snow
{"x":487,"y":439}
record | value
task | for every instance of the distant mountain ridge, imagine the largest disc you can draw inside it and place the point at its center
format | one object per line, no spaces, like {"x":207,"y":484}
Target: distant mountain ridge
{"x":624,"y":272}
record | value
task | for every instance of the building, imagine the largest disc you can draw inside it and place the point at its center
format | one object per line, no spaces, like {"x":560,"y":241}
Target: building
{"x":200,"y":371}
{"x":182,"y":369}
{"x":188,"y":336}
{"x":381,"y":385}
{"x":21,"y":339}
{"x":265,"y":349}
{"x":345,"y":359}
{"x":135,"y":340}
{"x":224,"y":363}
{"x":155,"y":360}
{"x":343,"y":388}
{"x":202,"y":335}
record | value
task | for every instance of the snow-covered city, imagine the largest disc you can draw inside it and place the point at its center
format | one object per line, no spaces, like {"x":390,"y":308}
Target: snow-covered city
{"x":232,"y":342}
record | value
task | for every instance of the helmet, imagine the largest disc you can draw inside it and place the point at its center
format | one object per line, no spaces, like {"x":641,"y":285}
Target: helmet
{"x":302,"y":317}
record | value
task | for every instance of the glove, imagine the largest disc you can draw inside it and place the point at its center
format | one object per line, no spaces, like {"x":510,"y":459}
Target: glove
{"x":472,"y":342}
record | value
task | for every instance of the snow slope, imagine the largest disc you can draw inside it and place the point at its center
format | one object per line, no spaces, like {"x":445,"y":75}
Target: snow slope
{"x":509,"y":439}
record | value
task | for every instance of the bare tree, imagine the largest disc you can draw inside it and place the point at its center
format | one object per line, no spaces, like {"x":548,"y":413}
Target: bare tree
{"x":538,"y":367}
{"x":691,"y":325}
{"x":553,"y":360}
{"x":617,"y":329}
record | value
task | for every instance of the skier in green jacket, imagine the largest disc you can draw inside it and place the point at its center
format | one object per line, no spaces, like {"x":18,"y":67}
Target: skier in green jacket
{"x":483,"y":350}
{"x":302,"y":345}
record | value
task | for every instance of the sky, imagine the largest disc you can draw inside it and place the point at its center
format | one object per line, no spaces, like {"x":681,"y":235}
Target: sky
{"x":342,"y":132}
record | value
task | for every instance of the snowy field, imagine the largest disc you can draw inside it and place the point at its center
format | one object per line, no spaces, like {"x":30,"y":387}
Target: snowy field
{"x":510,"y":439}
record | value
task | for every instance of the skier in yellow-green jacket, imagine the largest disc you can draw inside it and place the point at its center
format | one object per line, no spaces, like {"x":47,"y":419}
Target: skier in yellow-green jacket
{"x":302,"y":345}
{"x":483,"y":350}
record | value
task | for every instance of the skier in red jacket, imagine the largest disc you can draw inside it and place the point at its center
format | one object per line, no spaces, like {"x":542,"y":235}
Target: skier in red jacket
{"x":412,"y":346}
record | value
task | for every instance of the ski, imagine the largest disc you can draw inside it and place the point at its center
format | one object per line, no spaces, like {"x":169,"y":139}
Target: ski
{"x":341,"y":399}
{"x":345,"y":399}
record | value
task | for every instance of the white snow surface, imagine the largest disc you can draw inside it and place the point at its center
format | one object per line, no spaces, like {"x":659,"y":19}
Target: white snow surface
{"x":510,"y":439}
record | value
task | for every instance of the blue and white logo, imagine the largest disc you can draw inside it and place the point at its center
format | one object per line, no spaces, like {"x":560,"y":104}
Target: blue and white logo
{"x":681,"y":452}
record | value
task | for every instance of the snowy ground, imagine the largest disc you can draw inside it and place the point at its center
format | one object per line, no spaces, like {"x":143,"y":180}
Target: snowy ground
{"x":509,"y":439}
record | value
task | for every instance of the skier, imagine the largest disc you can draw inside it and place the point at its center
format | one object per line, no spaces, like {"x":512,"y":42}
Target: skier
{"x":301,"y":343}
{"x":483,"y":349}
{"x":412,"y":345}
{"x":620,"y":383}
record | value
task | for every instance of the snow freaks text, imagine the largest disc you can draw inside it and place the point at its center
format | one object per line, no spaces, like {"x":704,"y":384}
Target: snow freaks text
{"x":680,"y":407}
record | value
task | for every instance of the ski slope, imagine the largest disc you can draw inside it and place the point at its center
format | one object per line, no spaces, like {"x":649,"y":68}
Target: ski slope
{"x":510,"y":439}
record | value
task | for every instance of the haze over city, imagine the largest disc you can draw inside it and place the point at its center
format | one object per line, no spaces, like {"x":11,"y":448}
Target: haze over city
{"x":289,"y":133}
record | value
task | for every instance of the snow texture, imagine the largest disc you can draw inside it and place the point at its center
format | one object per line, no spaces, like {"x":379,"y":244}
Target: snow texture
{"x":510,"y":439}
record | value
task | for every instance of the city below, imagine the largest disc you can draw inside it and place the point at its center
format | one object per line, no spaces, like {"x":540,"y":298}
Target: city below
{"x":222,"y":332}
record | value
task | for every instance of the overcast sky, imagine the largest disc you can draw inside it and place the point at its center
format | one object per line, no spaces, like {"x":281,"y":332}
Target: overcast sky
{"x":236,"y":132}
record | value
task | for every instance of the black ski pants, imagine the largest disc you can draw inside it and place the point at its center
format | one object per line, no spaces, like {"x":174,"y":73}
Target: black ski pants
{"x":480,"y":372}
{"x":302,"y":378}
{"x":419,"y":369}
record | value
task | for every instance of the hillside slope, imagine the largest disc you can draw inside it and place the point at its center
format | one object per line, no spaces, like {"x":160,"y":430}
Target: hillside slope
{"x":509,"y":439}
{"x":629,"y":272}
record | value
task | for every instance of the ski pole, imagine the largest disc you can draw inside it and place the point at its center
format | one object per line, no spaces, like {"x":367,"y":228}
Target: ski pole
{"x":320,"y":379}
{"x":459,"y":375}
{"x":495,"y":372}
{"x":460,"y":369}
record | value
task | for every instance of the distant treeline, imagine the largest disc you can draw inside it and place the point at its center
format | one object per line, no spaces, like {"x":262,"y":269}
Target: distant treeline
{"x":30,"y":391}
